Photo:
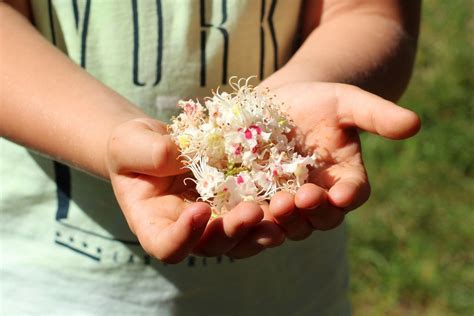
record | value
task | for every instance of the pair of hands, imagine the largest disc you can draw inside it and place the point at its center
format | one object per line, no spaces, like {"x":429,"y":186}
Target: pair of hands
{"x":148,"y":179}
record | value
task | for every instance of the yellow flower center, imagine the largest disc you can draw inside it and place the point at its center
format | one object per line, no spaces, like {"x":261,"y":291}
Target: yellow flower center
{"x":184,"y":141}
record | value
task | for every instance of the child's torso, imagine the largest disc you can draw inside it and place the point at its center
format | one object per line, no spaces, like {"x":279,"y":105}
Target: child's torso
{"x":85,"y":257}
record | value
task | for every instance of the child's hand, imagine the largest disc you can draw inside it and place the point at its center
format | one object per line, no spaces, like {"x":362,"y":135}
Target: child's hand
{"x":327,"y":117}
{"x":148,"y":182}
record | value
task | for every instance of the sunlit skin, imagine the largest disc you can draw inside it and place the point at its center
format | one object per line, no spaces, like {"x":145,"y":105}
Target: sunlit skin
{"x":328,"y":117}
{"x":152,"y":195}
{"x":133,"y":151}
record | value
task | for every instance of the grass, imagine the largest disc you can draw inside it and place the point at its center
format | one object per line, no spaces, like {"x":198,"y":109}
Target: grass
{"x":411,"y":246}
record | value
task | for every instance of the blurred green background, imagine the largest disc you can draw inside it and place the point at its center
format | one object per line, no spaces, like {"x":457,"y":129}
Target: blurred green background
{"x":411,"y":246}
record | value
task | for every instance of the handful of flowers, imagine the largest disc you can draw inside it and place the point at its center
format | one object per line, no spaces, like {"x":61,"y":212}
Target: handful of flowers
{"x":237,"y":148}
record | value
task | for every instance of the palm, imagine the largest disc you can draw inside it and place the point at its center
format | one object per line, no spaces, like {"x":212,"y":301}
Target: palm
{"x":161,"y":212}
{"x":149,"y":185}
{"x":326,"y":118}
{"x":319,"y":130}
{"x":147,"y":181}
{"x":160,"y":208}
{"x":139,"y":195}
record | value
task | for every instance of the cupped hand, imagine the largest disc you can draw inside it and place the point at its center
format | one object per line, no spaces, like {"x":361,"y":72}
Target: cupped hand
{"x":147,"y":178}
{"x":327,"y":117}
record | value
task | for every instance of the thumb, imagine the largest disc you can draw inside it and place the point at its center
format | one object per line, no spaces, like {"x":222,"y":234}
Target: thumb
{"x":359,"y":108}
{"x":141,"y":147}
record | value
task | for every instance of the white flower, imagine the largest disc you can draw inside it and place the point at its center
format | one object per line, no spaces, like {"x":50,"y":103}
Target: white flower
{"x":215,"y":149}
{"x":298,"y":167}
{"x":207,"y":177}
{"x":237,"y":148}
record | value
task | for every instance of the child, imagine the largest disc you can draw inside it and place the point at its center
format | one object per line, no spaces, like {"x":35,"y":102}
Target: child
{"x":62,"y":232}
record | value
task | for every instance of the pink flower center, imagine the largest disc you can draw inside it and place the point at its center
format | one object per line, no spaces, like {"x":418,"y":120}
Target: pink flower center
{"x":248,"y":134}
{"x":240,"y":179}
{"x":238,"y":150}
{"x":256,"y":128}
{"x":189,"y":108}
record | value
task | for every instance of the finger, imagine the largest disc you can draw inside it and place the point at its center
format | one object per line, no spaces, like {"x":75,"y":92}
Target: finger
{"x":347,"y":183}
{"x":265,"y":234}
{"x":325,"y":217}
{"x":309,"y":196}
{"x":349,"y":193}
{"x":359,"y":108}
{"x":171,"y":241}
{"x":223,"y":233}
{"x":283,"y":209}
{"x":313,"y":206}
{"x":142,"y":148}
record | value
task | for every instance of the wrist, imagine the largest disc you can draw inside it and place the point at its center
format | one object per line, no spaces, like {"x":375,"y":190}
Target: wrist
{"x":292,"y":72}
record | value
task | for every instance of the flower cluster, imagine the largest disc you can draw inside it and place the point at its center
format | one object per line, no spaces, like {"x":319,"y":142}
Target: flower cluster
{"x":237,"y":148}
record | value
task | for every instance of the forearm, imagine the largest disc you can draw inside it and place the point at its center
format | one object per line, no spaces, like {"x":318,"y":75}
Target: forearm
{"x":51,"y":105}
{"x":371,"y":45}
